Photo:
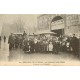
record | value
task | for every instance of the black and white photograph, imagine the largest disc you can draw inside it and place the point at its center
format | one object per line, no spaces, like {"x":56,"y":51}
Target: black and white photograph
{"x":40,"y":39}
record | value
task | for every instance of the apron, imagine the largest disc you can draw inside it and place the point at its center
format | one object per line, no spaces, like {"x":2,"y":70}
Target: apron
{"x":50,"y":47}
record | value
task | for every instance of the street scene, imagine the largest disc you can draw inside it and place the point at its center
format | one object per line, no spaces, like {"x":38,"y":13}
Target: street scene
{"x":46,"y":39}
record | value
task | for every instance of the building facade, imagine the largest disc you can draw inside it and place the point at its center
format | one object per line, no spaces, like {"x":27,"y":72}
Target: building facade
{"x":62,"y":24}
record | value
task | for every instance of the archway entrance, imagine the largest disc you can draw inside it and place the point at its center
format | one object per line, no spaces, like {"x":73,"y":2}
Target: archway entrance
{"x":57,"y":25}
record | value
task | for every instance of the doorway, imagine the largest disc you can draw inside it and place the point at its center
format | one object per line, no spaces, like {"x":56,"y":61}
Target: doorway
{"x":57,"y":25}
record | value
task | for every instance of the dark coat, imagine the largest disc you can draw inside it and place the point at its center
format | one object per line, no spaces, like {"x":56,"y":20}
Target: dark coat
{"x":11,"y":40}
{"x":75,"y":44}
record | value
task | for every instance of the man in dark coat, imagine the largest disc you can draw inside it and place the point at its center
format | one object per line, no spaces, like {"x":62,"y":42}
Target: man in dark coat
{"x":0,"y":38}
{"x":24,"y":35}
{"x":79,"y":46}
{"x":74,"y":45}
{"x":11,"y":42}
{"x":16,"y":41}
{"x":56,"y":46}
{"x":0,"y":41}
{"x":4,"y":38}
{"x":31,"y":45}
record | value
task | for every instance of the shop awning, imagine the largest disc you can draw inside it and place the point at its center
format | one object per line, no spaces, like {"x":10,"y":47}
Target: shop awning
{"x":45,"y":32}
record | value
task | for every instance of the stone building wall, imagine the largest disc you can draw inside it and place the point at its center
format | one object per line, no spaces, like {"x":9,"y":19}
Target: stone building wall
{"x":71,"y":23}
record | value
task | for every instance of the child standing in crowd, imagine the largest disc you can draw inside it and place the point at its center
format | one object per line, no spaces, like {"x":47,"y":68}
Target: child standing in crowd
{"x":50,"y":46}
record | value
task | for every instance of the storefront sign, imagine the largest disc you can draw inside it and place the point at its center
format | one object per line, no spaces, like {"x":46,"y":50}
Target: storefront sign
{"x":59,"y":24}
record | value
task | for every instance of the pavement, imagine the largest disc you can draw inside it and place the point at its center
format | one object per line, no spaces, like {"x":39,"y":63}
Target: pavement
{"x":19,"y":56}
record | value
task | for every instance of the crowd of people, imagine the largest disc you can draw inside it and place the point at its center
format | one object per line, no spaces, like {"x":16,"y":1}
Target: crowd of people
{"x":43,"y":44}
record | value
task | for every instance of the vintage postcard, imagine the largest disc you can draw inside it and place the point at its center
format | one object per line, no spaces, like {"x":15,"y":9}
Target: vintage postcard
{"x":40,"y":39}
